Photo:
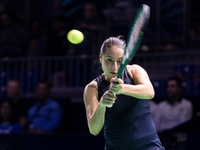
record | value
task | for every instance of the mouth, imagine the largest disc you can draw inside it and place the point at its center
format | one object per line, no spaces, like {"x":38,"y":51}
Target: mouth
{"x":113,"y":73}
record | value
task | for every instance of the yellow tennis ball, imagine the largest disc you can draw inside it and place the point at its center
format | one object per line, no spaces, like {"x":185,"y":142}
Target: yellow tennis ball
{"x":75,"y":36}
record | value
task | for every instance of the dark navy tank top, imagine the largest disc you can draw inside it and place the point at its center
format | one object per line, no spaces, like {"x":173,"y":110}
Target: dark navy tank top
{"x":128,"y":124}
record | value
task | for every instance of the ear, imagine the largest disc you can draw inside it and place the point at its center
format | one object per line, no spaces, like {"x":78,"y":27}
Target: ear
{"x":100,"y":58}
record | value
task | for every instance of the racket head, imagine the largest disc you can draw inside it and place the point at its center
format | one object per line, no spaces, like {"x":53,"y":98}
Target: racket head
{"x":135,"y":36}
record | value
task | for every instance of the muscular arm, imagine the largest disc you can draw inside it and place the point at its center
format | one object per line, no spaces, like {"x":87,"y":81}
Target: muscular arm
{"x":95,"y":110}
{"x":142,"y":89}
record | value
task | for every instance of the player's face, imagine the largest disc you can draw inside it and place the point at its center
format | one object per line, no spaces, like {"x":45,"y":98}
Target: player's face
{"x":111,"y":61}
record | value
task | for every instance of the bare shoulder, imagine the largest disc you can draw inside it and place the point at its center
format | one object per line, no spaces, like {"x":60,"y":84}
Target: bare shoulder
{"x":90,"y":89}
{"x":91,"y":85}
{"x":134,"y":69}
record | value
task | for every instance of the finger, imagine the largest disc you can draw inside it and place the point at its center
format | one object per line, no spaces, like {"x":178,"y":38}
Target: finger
{"x":110,"y":99}
{"x":114,"y":88}
{"x":111,"y":93}
{"x":114,"y":81}
{"x":118,"y":81}
{"x":109,"y":106}
{"x":110,"y":96}
{"x":108,"y":103}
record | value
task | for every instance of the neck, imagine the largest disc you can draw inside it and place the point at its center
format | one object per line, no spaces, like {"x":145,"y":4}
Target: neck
{"x":105,"y":77}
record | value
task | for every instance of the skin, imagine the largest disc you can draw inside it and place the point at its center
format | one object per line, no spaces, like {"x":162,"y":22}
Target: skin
{"x":110,"y":61}
{"x":13,"y":90}
{"x":173,"y":91}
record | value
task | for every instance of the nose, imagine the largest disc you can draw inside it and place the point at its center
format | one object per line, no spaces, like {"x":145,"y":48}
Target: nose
{"x":114,"y":66}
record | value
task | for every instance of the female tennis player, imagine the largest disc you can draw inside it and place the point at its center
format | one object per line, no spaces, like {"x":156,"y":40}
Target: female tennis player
{"x":121,"y":106}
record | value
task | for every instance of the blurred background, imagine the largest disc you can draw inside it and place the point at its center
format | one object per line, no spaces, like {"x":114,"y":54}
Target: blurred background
{"x":34,"y":47}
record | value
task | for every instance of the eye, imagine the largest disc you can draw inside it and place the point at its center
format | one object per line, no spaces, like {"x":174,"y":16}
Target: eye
{"x":109,"y":60}
{"x":119,"y":61}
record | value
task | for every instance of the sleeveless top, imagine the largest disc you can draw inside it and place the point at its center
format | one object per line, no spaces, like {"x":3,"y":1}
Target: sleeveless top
{"x":128,"y":123}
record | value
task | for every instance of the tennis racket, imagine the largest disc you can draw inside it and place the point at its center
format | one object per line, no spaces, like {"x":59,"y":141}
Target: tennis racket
{"x":135,"y":36}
